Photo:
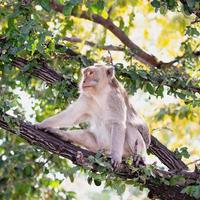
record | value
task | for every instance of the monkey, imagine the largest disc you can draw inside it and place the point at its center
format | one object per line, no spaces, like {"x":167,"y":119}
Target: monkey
{"x":114,"y":128}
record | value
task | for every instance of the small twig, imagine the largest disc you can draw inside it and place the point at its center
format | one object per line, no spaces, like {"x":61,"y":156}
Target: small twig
{"x":193,"y":162}
{"x":111,"y":59}
{"x":48,"y":159}
{"x":195,"y":21}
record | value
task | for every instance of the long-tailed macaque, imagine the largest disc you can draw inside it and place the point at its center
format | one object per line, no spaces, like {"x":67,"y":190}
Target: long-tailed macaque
{"x":114,"y":126}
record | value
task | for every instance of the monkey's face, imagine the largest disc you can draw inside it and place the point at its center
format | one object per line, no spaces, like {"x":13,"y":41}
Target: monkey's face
{"x":90,"y":77}
{"x":96,"y":77}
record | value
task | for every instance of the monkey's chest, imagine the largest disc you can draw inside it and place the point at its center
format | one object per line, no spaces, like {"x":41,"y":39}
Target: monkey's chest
{"x":101,"y":133}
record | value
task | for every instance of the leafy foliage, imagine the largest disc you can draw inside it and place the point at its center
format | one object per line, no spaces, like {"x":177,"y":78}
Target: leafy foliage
{"x":193,"y":191}
{"x":34,"y":31}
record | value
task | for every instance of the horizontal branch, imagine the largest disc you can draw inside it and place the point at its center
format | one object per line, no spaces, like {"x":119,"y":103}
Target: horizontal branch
{"x":70,"y":151}
{"x":92,"y":44}
{"x":42,"y":71}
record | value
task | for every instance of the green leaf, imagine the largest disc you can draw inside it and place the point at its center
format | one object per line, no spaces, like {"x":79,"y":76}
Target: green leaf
{"x":177,"y":180}
{"x":22,"y":188}
{"x":97,"y":182}
{"x":150,"y":88}
{"x":163,"y":10}
{"x":28,"y":170}
{"x":191,"y":3}
{"x":160,"y":90}
{"x":46,"y":5}
{"x":54,"y":183}
{"x":71,"y":177}
{"x":26,"y":67}
{"x":67,"y":10}
{"x":142,"y":74}
{"x":171,"y":4}
{"x":192,"y":31}
{"x":121,"y":189}
{"x":155,"y":3}
{"x":69,"y":6}
{"x":193,"y":191}
{"x":89,"y":180}
{"x":181,"y":95}
{"x":97,"y":6}
{"x":182,"y":152}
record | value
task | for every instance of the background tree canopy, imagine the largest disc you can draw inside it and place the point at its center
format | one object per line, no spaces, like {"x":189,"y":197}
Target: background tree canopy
{"x":154,"y":47}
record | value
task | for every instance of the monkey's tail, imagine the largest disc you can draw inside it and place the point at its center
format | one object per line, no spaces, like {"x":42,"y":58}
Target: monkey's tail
{"x":144,"y":131}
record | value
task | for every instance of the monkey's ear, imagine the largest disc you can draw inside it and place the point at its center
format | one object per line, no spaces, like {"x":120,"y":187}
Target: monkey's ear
{"x":82,"y":71}
{"x":110,"y":72}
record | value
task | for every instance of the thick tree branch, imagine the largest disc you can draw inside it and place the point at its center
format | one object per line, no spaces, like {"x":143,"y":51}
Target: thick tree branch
{"x":70,"y":151}
{"x":166,"y":156}
{"x":42,"y":71}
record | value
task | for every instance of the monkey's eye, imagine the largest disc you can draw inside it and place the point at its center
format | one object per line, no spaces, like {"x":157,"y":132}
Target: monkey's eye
{"x":90,"y":73}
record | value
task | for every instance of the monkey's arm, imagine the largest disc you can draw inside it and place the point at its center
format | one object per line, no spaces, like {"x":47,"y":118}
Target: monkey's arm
{"x":117,"y":145}
{"x":118,"y":126}
{"x":83,"y":138}
{"x":68,"y":117}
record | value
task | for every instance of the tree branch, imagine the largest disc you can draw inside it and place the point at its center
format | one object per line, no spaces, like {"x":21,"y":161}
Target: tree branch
{"x":138,"y":53}
{"x":70,"y":151}
{"x":42,"y":71}
{"x":92,"y":44}
{"x":196,"y":12}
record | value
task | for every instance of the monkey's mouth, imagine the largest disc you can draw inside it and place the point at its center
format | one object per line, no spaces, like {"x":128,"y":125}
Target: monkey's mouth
{"x":90,"y":84}
{"x":87,"y":86}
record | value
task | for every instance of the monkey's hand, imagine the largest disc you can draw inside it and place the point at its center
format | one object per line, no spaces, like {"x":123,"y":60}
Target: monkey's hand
{"x":116,"y":161}
{"x":42,"y":125}
{"x":58,"y":133}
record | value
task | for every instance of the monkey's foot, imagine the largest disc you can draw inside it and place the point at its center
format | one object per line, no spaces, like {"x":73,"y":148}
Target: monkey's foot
{"x":138,"y":160}
{"x":37,"y":126}
{"x":80,"y":158}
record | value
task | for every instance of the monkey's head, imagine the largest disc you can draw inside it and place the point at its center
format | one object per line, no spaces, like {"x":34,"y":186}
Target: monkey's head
{"x":96,"y":77}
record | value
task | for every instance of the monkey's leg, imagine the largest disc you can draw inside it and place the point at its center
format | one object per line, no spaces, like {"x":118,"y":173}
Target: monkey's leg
{"x":117,"y":145}
{"x":136,"y":145}
{"x":83,"y":138}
